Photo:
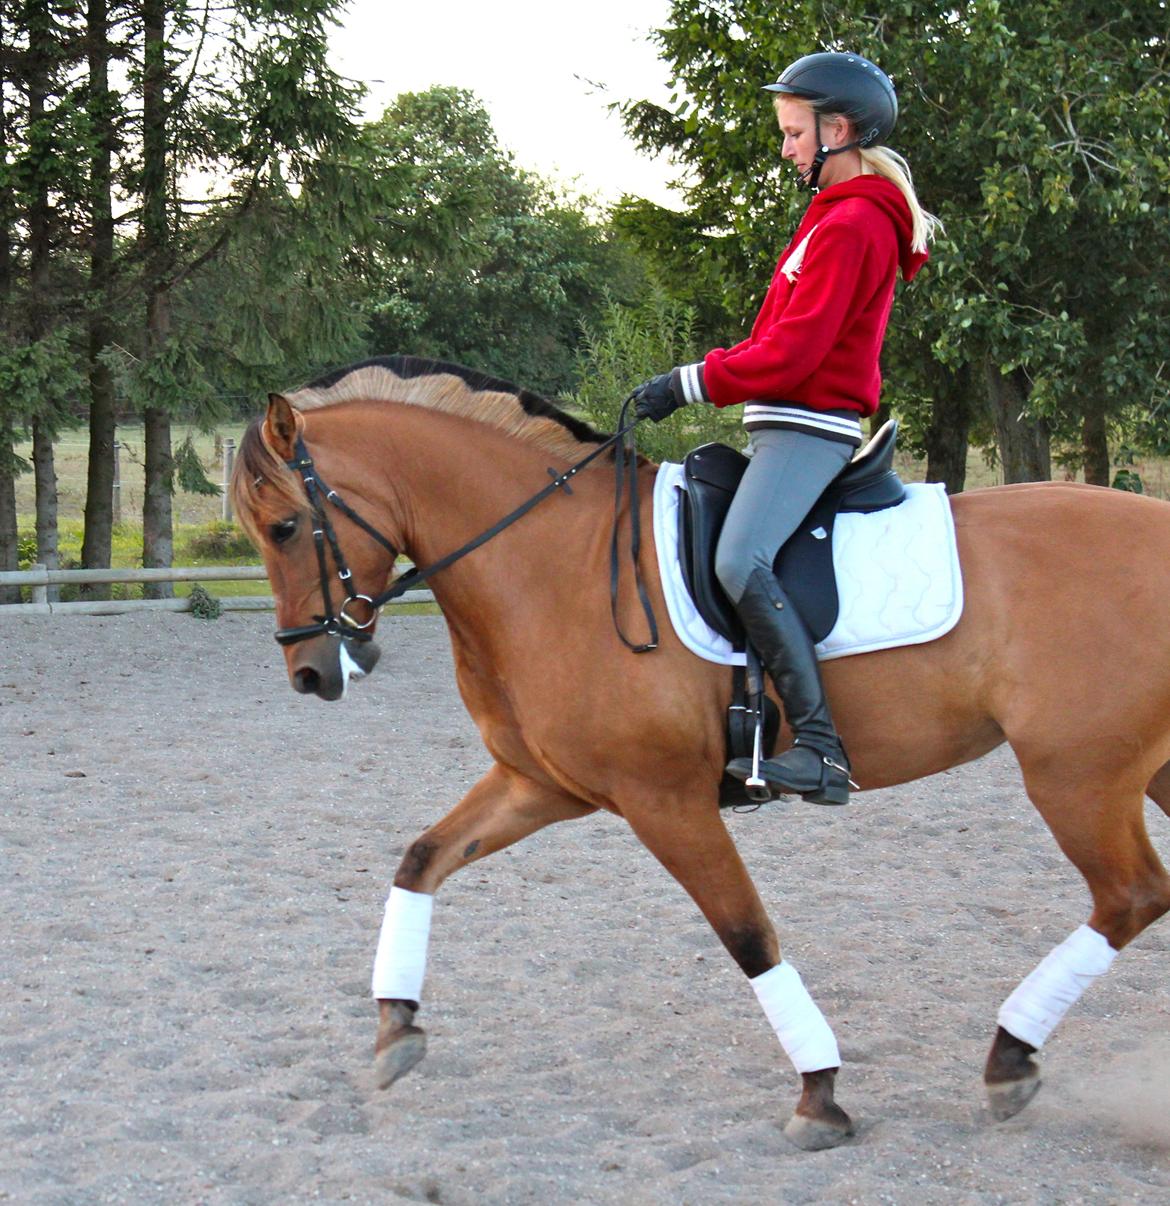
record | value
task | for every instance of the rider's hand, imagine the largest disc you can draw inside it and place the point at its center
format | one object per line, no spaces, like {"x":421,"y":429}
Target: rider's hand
{"x":656,"y":398}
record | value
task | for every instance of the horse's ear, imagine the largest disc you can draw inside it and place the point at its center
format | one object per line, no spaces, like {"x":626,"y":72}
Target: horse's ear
{"x":282,"y":425}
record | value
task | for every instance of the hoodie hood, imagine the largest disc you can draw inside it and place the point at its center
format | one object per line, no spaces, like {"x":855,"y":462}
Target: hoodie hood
{"x":887,"y":197}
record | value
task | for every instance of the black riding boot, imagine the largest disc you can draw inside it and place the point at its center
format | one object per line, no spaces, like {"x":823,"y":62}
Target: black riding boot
{"x":815,"y":768}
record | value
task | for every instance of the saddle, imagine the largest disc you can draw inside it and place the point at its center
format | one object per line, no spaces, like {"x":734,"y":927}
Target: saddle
{"x":804,"y":565}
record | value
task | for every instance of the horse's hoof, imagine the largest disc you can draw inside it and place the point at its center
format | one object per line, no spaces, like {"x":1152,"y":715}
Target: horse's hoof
{"x":816,"y":1134}
{"x":1006,"y":1098}
{"x":403,"y":1050}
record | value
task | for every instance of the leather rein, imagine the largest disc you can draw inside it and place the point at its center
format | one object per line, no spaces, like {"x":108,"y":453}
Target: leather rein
{"x":352,"y":624}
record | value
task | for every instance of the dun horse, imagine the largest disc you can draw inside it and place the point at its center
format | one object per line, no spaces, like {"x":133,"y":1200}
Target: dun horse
{"x":1063,"y":650}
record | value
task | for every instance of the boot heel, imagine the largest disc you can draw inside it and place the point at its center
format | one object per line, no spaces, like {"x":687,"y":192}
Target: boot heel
{"x":833,"y":793}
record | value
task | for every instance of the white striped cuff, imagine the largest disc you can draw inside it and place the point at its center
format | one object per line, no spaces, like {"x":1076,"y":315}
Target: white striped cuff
{"x":691,"y":377}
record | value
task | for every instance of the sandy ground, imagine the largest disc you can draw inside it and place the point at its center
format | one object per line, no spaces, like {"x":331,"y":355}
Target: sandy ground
{"x":193,"y":862}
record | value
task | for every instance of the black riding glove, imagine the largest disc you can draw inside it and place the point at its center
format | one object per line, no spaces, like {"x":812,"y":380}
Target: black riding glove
{"x":656,"y":398}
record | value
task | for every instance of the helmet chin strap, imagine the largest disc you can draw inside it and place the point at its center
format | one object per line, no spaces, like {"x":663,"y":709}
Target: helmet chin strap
{"x":812,"y":178}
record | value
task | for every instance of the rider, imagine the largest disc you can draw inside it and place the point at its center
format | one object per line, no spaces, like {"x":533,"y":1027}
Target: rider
{"x":807,"y":374}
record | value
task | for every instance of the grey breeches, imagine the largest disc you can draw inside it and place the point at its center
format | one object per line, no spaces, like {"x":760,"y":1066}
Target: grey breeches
{"x":787,"y":473}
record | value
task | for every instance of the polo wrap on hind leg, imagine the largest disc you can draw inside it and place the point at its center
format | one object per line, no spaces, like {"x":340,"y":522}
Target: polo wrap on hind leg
{"x":401,"y":959}
{"x":1032,"y":1012}
{"x":800,"y":1026}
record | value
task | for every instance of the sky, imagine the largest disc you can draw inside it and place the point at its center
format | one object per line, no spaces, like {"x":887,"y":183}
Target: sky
{"x":544,"y":69}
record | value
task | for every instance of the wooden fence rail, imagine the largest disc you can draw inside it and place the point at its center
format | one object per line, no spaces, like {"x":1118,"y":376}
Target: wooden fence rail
{"x":40,"y":578}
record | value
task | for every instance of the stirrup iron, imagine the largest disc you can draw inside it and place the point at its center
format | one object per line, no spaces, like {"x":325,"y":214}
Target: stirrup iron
{"x":758,"y":790}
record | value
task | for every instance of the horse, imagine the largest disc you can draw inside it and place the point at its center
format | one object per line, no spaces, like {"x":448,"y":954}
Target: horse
{"x":1062,"y":650}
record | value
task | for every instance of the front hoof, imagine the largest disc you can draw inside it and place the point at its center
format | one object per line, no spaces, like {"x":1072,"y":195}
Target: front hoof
{"x":1007,"y":1098}
{"x":403,"y":1050}
{"x":817,"y":1134}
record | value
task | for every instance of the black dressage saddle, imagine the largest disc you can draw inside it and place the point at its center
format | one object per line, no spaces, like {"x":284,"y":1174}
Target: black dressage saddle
{"x":805,"y":564}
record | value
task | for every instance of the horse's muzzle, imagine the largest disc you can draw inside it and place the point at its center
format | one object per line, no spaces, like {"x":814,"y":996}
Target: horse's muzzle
{"x":327,"y":665}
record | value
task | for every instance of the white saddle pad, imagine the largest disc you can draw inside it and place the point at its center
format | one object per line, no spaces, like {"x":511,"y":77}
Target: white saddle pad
{"x":898,"y":575}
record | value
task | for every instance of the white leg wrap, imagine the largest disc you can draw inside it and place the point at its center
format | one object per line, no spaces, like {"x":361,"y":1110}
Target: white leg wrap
{"x":1032,"y":1012}
{"x":799,"y":1024}
{"x":401,"y":960}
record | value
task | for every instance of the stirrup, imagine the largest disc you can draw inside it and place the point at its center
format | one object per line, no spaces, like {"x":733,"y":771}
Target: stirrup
{"x":758,"y":790}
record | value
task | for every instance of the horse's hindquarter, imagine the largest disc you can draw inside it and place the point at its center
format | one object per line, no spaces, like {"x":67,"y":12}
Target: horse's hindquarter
{"x":1063,"y":643}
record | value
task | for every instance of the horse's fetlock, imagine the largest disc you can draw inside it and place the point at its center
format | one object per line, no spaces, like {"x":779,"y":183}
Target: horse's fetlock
{"x":415,"y":863}
{"x":396,"y":1013}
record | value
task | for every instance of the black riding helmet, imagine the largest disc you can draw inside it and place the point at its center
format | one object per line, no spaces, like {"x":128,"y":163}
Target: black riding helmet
{"x":845,"y":84}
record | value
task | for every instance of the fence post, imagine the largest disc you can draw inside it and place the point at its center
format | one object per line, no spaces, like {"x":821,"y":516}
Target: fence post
{"x":116,"y":508}
{"x":229,"y":460}
{"x":39,"y":594}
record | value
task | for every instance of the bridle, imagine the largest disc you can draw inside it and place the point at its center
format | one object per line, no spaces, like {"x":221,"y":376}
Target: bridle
{"x":355,"y":627}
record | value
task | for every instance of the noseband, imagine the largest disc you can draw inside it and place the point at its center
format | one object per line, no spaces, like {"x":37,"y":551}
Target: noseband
{"x":350,"y":628}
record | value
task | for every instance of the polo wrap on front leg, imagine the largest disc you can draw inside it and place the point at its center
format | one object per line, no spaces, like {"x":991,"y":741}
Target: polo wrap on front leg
{"x":401,"y":959}
{"x":800,"y":1026}
{"x":1032,"y":1012}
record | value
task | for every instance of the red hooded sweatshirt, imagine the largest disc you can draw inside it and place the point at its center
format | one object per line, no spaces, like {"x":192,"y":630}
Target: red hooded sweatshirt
{"x":811,"y":361}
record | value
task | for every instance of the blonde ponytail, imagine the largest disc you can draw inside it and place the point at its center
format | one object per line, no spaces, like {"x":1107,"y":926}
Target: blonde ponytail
{"x":882,"y":161}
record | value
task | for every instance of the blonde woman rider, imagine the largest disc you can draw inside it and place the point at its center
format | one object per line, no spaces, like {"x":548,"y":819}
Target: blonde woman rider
{"x":807,"y":374}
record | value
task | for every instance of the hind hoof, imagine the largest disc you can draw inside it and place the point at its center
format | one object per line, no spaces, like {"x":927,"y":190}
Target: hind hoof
{"x":817,"y":1134}
{"x":1007,"y":1098}
{"x":405,"y":1049}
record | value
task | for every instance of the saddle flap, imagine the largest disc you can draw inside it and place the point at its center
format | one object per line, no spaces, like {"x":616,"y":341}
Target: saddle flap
{"x":711,"y":475}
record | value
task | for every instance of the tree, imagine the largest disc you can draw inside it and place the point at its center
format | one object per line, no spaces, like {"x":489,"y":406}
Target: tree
{"x":101,"y":117}
{"x":481,"y":262}
{"x":36,"y":361}
{"x":254,"y":103}
{"x":1038,"y":132}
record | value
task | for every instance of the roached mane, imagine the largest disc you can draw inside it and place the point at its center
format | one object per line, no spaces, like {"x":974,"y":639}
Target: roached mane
{"x":412,"y":381}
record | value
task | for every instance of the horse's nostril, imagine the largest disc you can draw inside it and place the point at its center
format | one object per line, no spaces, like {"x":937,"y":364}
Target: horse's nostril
{"x":306,"y":680}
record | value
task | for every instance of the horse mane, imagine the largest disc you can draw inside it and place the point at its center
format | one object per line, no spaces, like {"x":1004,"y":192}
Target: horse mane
{"x":413,"y":381}
{"x":437,"y":385}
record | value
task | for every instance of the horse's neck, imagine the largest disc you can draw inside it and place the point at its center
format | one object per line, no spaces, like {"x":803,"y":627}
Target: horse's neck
{"x":452,"y":479}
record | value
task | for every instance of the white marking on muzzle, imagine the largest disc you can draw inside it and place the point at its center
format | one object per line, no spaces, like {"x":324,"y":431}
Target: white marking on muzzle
{"x":349,"y":669}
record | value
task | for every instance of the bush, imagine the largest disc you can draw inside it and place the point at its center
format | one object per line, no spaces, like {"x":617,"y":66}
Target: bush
{"x":219,"y":541}
{"x":26,"y":550}
{"x":204,"y":606}
{"x":633,"y":343}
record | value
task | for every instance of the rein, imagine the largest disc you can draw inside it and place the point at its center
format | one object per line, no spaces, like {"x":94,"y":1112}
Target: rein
{"x":352,"y":627}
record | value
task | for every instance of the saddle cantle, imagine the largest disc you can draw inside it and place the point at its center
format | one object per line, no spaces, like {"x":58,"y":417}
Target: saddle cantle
{"x":805,"y":564}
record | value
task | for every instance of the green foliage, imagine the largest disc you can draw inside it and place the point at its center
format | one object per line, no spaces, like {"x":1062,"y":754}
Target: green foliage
{"x":1129,"y":480}
{"x":204,"y":606}
{"x":1039,"y":132}
{"x":218,"y":542}
{"x":189,"y":472}
{"x":480,"y":262}
{"x":26,"y":550}
{"x":629,"y":344}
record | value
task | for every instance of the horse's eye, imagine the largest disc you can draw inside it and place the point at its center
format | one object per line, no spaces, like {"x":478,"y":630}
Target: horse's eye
{"x":280,"y":532}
